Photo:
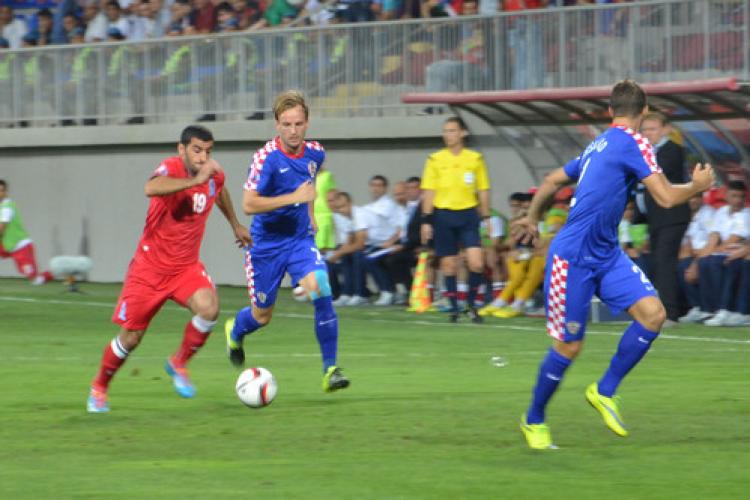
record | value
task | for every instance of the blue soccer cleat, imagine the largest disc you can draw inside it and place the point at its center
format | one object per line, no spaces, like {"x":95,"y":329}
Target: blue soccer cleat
{"x":97,"y":402}
{"x":180,"y":379}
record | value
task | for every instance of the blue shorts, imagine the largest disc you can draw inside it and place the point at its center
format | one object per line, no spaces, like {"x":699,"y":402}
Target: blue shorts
{"x":452,"y":228}
{"x":265,"y":269}
{"x":568,"y":289}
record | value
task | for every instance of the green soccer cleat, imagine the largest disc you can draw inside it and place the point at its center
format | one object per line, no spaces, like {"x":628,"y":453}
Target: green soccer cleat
{"x":537,"y":436}
{"x":334,"y":380}
{"x":234,"y":349}
{"x":607,"y":408}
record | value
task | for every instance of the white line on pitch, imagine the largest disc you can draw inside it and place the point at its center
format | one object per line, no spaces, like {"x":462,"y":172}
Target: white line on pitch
{"x":665,"y":336}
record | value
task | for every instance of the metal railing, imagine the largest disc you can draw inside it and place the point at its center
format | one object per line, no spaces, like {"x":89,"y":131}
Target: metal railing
{"x":362,"y":69}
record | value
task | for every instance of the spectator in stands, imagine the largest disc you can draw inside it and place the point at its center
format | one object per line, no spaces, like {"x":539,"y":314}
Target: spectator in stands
{"x":43,"y":32}
{"x":226,"y":18}
{"x":203,"y":17}
{"x":383,"y":234}
{"x":277,"y":13}
{"x":666,"y":226}
{"x":355,"y":11}
{"x":525,"y":42}
{"x":180,"y":20}
{"x":116,"y":19}
{"x":351,"y":234}
{"x":12,"y":29}
{"x":146,"y":21}
{"x":70,"y":23}
{"x":695,"y":240}
{"x":95,"y":22}
{"x":720,"y":262}
{"x":461,"y":66}
{"x":456,"y":196}
{"x":248,"y":12}
{"x":387,"y":10}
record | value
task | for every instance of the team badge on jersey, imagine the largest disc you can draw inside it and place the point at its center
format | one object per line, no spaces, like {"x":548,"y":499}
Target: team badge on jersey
{"x":211,"y":188}
{"x":312,"y":167}
{"x":262,"y":297}
{"x":573,"y":327}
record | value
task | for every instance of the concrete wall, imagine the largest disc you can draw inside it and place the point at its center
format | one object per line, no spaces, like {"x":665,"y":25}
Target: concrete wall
{"x":80,"y":190}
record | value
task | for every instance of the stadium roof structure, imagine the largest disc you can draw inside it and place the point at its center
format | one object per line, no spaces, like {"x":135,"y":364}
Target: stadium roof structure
{"x":547,"y":127}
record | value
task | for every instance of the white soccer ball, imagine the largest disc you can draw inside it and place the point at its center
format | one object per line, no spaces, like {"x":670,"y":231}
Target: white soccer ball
{"x":256,"y":387}
{"x":299,"y":294}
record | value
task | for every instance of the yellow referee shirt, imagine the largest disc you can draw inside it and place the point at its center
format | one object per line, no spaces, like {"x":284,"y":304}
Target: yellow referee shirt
{"x":455,"y":178}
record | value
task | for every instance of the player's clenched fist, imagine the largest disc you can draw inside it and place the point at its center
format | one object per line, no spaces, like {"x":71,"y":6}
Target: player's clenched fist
{"x":703,"y":176}
{"x":305,"y":193}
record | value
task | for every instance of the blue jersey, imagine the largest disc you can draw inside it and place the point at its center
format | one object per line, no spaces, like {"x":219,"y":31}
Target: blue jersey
{"x":274,"y":173}
{"x":606,"y":172}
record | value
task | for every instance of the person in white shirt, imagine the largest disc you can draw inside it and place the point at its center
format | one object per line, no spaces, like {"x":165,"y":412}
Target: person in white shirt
{"x":11,"y":29}
{"x":383,"y":236}
{"x":116,"y":19}
{"x":350,"y":223}
{"x":695,"y":240}
{"x":720,"y":261}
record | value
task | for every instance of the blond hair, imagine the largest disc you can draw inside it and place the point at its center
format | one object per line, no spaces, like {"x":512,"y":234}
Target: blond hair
{"x":288,"y":100}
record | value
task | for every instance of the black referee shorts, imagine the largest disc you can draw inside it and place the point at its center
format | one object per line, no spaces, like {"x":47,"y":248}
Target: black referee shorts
{"x":453,"y":229}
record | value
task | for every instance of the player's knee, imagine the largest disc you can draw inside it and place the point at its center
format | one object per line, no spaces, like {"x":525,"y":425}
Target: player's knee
{"x":129,"y":339}
{"x":650,"y":313}
{"x":262,"y":316}
{"x":570,"y":350}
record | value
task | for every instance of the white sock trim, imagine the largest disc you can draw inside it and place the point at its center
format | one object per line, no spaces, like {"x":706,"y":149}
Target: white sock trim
{"x":203,"y":325}
{"x":118,"y":349}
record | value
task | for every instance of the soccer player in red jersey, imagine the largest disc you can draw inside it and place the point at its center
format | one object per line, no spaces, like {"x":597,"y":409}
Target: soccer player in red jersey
{"x":166,"y":265}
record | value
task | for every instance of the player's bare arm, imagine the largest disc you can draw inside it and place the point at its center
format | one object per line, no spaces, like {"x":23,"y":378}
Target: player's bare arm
{"x":224,"y":202}
{"x":253,"y":203}
{"x":525,"y":230}
{"x":484,"y":203}
{"x":164,"y":185}
{"x":669,"y":195}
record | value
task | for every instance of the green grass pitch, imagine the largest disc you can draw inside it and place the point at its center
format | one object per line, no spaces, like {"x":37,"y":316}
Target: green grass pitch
{"x":428,"y":415}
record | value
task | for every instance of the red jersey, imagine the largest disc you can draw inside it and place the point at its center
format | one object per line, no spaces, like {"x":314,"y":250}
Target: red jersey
{"x":175,"y":223}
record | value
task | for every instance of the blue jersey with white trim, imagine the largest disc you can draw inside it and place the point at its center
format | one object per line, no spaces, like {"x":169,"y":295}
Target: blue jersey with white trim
{"x":274,"y":172}
{"x":606,"y":171}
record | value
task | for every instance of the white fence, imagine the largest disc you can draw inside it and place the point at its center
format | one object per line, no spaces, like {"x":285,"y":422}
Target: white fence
{"x":362,"y":69}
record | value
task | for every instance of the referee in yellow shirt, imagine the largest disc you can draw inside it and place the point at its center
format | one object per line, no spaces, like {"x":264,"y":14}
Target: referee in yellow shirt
{"x":456,"y":196}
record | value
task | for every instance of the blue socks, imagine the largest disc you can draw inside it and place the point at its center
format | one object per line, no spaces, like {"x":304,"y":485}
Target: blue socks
{"x":326,"y":330}
{"x":551,"y":373}
{"x":634,"y":344}
{"x":451,"y":289}
{"x":244,"y":323}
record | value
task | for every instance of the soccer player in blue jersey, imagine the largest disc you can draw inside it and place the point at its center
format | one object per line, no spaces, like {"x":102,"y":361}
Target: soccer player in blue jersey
{"x":280,"y":192}
{"x":585,"y":259}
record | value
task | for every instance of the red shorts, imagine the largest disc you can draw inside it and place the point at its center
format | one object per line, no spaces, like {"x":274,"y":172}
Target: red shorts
{"x":145,"y":291}
{"x":25,"y":260}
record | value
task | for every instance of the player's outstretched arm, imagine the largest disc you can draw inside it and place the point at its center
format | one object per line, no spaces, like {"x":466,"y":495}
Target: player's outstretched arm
{"x":253,"y":203}
{"x":164,"y":185}
{"x":668,"y":195}
{"x":525,"y":230}
{"x":224,"y":201}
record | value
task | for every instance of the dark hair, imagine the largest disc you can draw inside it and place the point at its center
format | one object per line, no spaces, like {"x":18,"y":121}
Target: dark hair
{"x":379,"y":178}
{"x":414,"y":178}
{"x":519,"y":196}
{"x":736,"y":186}
{"x":44,"y":13}
{"x":114,"y":3}
{"x":627,"y":99}
{"x":224,"y":6}
{"x":458,"y":121}
{"x":198,"y":131}
{"x":3,"y":183}
{"x":344,"y":194}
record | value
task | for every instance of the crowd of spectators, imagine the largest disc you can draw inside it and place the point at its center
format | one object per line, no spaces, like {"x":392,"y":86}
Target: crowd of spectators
{"x":68,"y":21}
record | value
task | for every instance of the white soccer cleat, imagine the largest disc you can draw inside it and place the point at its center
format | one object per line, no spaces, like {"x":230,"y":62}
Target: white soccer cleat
{"x":342,"y":300}
{"x":356,"y":300}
